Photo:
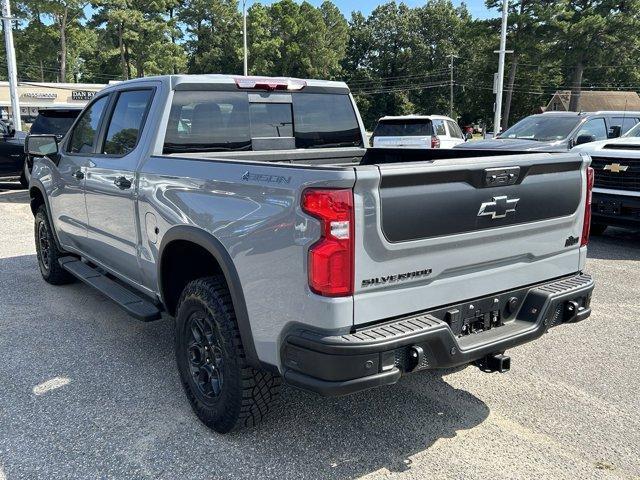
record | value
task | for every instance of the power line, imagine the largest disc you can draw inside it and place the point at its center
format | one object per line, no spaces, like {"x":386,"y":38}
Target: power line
{"x":403,"y":89}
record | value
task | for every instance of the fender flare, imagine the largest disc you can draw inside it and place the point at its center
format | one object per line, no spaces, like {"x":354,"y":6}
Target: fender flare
{"x":207,"y":241}
{"x":37,"y":184}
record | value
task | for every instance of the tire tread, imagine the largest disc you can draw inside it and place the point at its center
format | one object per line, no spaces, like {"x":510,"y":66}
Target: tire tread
{"x":255,"y":390}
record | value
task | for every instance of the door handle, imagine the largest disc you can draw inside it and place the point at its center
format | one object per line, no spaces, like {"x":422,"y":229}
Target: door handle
{"x":122,"y":183}
{"x":78,"y":175}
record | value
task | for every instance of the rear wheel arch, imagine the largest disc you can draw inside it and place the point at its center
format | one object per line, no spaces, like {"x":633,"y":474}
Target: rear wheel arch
{"x":187,"y":253}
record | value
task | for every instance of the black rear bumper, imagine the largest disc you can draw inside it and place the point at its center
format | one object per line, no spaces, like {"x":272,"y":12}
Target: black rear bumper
{"x":616,"y":210}
{"x":377,"y":355}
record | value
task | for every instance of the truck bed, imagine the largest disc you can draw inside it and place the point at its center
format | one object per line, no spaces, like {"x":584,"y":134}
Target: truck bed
{"x":349,"y":156}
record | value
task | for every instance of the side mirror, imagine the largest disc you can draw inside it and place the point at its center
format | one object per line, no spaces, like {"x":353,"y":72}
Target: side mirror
{"x":11,"y":132}
{"x":41,"y":145}
{"x":585,"y":139}
{"x":468,"y":136}
{"x":615,"y":131}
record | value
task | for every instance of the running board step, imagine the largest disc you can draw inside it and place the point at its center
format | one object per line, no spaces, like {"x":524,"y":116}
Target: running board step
{"x":133,"y":304}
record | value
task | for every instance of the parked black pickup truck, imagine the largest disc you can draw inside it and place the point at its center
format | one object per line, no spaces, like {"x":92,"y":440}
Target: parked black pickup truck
{"x":13,"y":161}
{"x":12,"y":156}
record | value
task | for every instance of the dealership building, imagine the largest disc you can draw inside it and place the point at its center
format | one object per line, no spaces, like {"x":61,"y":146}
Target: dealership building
{"x":34,"y":96}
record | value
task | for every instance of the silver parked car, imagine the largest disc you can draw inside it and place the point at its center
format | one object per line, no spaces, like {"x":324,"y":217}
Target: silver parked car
{"x":559,"y":131}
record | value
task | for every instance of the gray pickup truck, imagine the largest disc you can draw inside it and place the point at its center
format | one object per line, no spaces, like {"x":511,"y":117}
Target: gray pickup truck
{"x":248,"y":209}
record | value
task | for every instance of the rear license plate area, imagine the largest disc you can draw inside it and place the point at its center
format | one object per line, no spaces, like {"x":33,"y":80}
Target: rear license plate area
{"x":483,"y":314}
{"x":609,"y":207}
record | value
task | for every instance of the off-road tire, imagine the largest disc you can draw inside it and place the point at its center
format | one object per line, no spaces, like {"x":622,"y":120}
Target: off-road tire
{"x":50,"y":269}
{"x":246,"y":393}
{"x":597,"y":228}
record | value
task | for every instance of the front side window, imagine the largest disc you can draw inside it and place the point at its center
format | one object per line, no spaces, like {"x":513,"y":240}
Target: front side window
{"x":84,"y":135}
{"x":126,"y":122}
{"x":594,"y":127}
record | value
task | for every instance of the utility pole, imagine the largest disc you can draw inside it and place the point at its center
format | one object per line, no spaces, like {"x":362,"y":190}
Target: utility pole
{"x":11,"y":64}
{"x":452,"y":56}
{"x":501,"y":54}
{"x":244,"y":36}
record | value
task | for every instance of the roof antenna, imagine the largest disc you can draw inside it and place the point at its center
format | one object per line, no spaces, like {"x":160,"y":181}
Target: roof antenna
{"x":624,"y":115}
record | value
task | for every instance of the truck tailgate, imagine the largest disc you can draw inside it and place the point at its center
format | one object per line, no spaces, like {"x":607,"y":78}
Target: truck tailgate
{"x":433,"y":233}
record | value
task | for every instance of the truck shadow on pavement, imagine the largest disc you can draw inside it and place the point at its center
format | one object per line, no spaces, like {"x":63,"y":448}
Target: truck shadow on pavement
{"x":13,"y":193}
{"x":88,"y":391}
{"x":615,"y":244}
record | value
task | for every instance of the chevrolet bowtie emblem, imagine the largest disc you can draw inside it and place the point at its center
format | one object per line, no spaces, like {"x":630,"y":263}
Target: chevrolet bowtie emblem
{"x":616,"y":168}
{"x":498,"y":207}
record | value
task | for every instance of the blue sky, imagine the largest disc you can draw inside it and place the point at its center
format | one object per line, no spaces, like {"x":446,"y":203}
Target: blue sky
{"x":476,"y":7}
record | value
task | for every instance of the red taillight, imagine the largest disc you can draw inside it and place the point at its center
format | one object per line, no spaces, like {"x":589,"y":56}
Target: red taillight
{"x":331,"y":258}
{"x":435,"y":142}
{"x":586,"y":226}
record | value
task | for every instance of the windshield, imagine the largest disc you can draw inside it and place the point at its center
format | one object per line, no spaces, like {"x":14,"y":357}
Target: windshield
{"x":404,"y":128}
{"x":634,"y":132}
{"x":542,"y":128}
{"x":57,"y":123}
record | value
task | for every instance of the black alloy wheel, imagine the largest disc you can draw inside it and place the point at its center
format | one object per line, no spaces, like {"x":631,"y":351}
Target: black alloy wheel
{"x":205,"y":356}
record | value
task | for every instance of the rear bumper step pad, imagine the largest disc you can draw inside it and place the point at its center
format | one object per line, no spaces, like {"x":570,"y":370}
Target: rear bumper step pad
{"x":133,"y":304}
{"x":379,"y":354}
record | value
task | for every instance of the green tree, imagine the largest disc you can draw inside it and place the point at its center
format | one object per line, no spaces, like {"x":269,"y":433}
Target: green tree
{"x":65,"y":15}
{"x":214,"y":35}
{"x":142,"y":34}
{"x":588,"y":31}
{"x":297,"y":40}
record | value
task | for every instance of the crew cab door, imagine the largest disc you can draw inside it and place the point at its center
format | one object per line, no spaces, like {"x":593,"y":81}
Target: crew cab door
{"x":67,"y":197}
{"x":110,"y":185}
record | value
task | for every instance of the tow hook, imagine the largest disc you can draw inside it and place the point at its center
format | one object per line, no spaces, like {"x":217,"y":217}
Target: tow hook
{"x":497,"y":362}
{"x":416,"y":356}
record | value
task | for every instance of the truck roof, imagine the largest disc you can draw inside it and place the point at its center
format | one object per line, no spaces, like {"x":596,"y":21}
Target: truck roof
{"x":599,"y":112}
{"x":188,"y":82}
{"x":415,"y":117}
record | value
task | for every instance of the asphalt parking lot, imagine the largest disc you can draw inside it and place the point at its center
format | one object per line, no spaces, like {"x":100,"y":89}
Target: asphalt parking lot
{"x":88,"y":392}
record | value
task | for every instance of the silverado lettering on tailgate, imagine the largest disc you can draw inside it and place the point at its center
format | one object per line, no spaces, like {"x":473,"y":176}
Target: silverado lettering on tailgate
{"x":400,"y":277}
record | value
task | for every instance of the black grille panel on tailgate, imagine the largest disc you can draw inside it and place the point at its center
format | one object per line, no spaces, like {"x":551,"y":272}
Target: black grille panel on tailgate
{"x":621,"y":180}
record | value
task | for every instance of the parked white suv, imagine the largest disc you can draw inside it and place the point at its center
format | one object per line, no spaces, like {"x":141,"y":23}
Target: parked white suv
{"x":417,"y":131}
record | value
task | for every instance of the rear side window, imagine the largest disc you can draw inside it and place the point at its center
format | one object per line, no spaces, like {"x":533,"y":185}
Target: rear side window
{"x":227,"y":121}
{"x":54,"y":122}
{"x":625,"y":123}
{"x":126,"y":122}
{"x":85,"y":132}
{"x":438,"y":127}
{"x":454,"y":130}
{"x":404,"y":128}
